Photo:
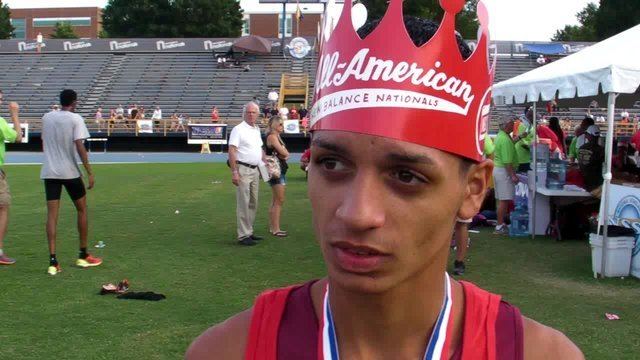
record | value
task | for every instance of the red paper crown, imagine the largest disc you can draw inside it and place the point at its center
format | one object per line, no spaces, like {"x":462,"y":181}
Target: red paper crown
{"x":386,"y":86}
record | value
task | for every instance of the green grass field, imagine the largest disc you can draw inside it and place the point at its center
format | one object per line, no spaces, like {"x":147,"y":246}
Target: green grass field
{"x":193,"y":260}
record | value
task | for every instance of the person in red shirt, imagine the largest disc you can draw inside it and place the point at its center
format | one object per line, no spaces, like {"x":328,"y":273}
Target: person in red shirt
{"x":383,"y":213}
{"x":214,"y":114}
{"x":635,"y":141}
{"x":305,"y":159}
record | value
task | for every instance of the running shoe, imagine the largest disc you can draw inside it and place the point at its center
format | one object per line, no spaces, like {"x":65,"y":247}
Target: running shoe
{"x":54,"y":269}
{"x":89,"y":261}
{"x":5,"y":260}
{"x":501,"y":230}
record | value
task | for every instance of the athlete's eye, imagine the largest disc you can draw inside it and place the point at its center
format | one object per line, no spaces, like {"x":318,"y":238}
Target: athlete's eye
{"x":408,"y":177}
{"x":331,"y":164}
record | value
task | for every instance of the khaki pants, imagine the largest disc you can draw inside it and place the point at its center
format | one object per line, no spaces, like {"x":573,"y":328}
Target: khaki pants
{"x":247,"y":200}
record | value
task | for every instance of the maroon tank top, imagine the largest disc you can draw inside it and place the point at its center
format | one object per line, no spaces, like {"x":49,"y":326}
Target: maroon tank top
{"x":298,"y":331}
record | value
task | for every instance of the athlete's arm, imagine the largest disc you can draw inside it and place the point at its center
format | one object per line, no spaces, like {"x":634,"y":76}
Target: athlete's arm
{"x":227,"y":340}
{"x":82,"y":151}
{"x":14,"y":109}
{"x":543,"y":342}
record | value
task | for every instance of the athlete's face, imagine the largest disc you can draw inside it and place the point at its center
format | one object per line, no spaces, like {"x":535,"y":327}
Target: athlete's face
{"x":384,"y":210}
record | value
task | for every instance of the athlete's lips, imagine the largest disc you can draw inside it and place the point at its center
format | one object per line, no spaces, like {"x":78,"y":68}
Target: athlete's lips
{"x":358,"y":258}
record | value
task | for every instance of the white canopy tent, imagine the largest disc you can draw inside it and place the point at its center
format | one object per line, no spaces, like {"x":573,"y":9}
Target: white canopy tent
{"x":611,"y":65}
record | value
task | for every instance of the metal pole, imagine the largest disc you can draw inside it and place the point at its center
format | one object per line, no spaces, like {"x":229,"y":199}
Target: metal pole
{"x":611,"y":106}
{"x":284,"y":23}
{"x":535,"y":173}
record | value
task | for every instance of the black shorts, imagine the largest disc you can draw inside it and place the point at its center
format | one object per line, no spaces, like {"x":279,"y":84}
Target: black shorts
{"x":75,"y":188}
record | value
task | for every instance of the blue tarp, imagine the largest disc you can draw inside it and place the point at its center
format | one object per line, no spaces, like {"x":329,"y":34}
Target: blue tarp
{"x":547,"y":49}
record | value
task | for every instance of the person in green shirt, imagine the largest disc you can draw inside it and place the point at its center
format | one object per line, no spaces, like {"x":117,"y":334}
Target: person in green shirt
{"x":579,"y":138}
{"x":504,"y":175}
{"x":523,"y":143}
{"x":10,"y":135}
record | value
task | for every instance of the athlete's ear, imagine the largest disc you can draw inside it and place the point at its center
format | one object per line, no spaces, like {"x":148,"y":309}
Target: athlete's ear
{"x":475,"y":185}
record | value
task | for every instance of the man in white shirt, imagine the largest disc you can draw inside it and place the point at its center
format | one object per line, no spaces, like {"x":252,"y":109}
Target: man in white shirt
{"x":624,"y":115}
{"x":245,"y":154}
{"x":63,"y":135}
{"x":157,"y":114}
{"x":120,"y":112}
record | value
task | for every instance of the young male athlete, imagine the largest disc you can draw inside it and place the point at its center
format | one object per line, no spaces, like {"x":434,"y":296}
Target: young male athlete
{"x":63,"y":135}
{"x":395,"y":159}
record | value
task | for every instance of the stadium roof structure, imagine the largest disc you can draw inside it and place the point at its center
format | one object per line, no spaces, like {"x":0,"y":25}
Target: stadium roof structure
{"x":611,"y":64}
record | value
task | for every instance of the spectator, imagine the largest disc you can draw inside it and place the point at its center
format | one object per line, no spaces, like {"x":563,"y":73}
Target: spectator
{"x":544,"y":132}
{"x":174,"y":121}
{"x":579,"y":139}
{"x":305,"y":159}
{"x":303,"y":112}
{"x":635,"y":141}
{"x":275,"y":146}
{"x":256,"y":101}
{"x":214,"y":115}
{"x":181,"y":123}
{"x":305,"y":125}
{"x":120,"y":112}
{"x":624,"y":115}
{"x":99,"y":119}
{"x":554,"y":125}
{"x":541,"y":60}
{"x":157,"y":114}
{"x":293,"y":114}
{"x":551,"y":107}
{"x":55,"y":107}
{"x":591,"y":158}
{"x":7,"y":134}
{"x":523,"y":136}
{"x":246,"y":68}
{"x":132,"y":111}
{"x":245,"y":154}
{"x":504,"y":174}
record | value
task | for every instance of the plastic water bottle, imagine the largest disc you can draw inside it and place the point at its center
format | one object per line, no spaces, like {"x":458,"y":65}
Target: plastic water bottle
{"x":519,"y":222}
{"x":556,"y":174}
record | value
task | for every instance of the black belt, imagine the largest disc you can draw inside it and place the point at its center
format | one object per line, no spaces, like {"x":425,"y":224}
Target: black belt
{"x":245,"y":164}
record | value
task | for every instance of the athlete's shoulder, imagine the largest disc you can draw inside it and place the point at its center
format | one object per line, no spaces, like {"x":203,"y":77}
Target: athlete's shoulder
{"x":543,"y":342}
{"x":226,"y":340}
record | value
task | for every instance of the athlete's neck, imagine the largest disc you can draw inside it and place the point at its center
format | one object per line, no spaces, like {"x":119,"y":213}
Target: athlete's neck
{"x":395,"y":324}
{"x":68,"y":108}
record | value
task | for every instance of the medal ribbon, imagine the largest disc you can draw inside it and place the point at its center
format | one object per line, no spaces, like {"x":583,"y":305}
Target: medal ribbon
{"x":435,"y":347}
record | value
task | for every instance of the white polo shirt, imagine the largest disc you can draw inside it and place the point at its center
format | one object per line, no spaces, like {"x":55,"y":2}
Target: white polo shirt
{"x":248,"y":140}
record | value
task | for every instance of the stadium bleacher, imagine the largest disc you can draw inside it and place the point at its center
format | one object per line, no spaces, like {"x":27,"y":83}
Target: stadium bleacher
{"x":185,"y":83}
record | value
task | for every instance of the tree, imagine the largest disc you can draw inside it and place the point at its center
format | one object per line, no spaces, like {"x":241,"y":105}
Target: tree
{"x":139,"y":18}
{"x":6,"y":30}
{"x":209,"y":18}
{"x":586,"y":31}
{"x":615,"y":16}
{"x":63,"y":30}
{"x":466,"y":21}
{"x":172,"y":18}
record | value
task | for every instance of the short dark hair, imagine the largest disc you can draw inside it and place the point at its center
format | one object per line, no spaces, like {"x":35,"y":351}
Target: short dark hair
{"x":420,"y":31}
{"x":587,"y":121}
{"x":67,"y":97}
